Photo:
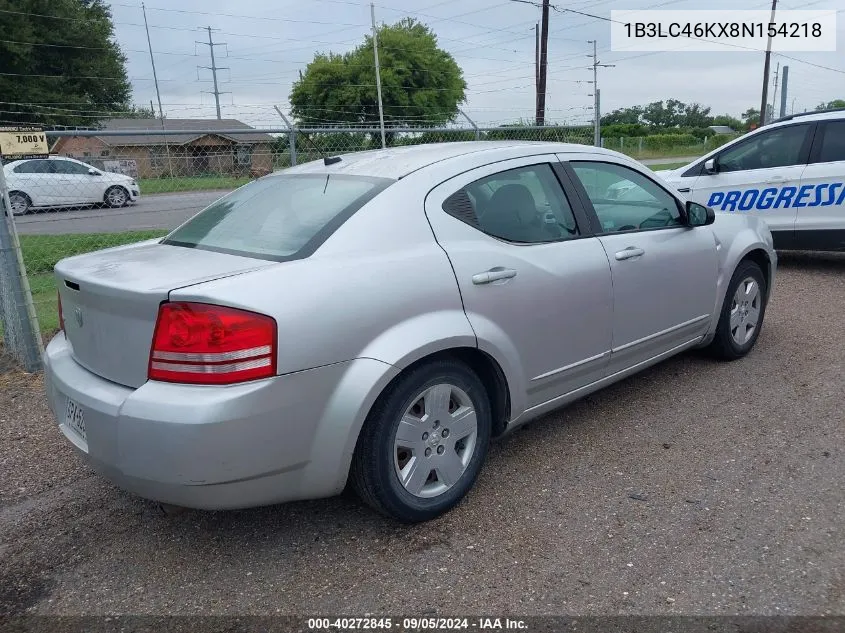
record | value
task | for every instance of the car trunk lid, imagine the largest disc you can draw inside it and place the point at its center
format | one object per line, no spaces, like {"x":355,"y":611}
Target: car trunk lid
{"x":110,"y":300}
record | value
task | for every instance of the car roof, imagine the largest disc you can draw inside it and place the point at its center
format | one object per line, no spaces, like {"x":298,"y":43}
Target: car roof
{"x":823,"y":115}
{"x":52,"y":157}
{"x":397,"y":162}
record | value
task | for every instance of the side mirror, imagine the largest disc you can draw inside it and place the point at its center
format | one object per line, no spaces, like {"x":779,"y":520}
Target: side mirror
{"x":710,"y":166}
{"x":94,"y":172}
{"x":699,"y":215}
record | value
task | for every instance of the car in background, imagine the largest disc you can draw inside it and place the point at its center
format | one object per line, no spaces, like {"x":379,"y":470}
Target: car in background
{"x":376,"y":318}
{"x":790,"y":172}
{"x":56,"y":182}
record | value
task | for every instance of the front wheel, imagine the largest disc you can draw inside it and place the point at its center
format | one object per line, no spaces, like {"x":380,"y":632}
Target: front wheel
{"x":742,"y":313}
{"x":424,"y":442}
{"x":116,"y":197}
{"x":19,"y":202}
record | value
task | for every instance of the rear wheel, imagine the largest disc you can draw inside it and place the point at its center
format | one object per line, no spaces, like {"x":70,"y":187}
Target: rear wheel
{"x":19,"y":202}
{"x":742,"y":313}
{"x":116,"y":197}
{"x":424,"y":442}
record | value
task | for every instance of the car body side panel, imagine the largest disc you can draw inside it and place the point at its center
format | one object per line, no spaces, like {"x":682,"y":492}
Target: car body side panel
{"x":739,"y":191}
{"x":737,"y":236}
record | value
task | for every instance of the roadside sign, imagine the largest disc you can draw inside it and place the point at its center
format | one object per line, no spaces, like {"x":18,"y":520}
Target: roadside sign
{"x":23,"y":142}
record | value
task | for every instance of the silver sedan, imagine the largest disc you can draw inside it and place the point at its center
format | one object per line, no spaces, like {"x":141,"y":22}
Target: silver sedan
{"x":376,"y":318}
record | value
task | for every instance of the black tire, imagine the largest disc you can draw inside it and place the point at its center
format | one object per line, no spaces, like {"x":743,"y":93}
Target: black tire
{"x":373,"y":475}
{"x":114,"y":204}
{"x":724,"y":346}
{"x":23,"y":199}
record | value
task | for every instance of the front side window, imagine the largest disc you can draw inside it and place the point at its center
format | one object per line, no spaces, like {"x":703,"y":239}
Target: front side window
{"x":780,"y":147}
{"x":626,"y":200}
{"x":278,"y":217}
{"x":525,"y":205}
{"x":833,"y":143}
{"x":70,"y":167}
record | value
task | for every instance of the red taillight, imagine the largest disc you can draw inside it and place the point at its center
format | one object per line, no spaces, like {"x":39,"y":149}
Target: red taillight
{"x":61,"y":316}
{"x":206,"y":344}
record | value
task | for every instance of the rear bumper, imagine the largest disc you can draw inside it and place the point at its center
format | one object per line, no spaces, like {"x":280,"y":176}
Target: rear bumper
{"x":258,"y":443}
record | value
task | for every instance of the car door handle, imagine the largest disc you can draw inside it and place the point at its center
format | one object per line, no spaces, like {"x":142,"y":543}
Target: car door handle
{"x":494,"y":274}
{"x":684,"y":190}
{"x":629,"y":253}
{"x":774,"y":179}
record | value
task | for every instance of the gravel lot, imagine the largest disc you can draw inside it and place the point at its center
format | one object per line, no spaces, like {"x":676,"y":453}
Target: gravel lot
{"x":694,"y":488}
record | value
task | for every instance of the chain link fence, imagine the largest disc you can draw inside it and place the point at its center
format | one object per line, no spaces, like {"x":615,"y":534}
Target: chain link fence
{"x":108,"y":187}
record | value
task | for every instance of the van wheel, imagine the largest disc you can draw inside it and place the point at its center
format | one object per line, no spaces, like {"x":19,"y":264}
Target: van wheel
{"x":742,"y":313}
{"x":424,"y":442}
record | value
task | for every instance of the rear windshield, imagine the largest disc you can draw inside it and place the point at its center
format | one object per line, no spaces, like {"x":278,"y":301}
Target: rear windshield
{"x":278,"y":217}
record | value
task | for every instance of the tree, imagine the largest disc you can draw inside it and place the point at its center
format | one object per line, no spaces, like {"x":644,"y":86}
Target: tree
{"x":831,"y":105}
{"x":626,"y":116}
{"x":725,"y":119}
{"x":138,"y":112}
{"x":420,"y":83}
{"x":63,"y":69}
{"x":751,"y":118}
{"x":662,"y":115}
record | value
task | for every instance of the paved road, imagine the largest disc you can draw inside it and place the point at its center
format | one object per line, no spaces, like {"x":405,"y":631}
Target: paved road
{"x":696,"y":487}
{"x":158,"y":211}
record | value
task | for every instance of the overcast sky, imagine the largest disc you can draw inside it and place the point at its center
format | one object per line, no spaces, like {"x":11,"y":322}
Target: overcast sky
{"x":269,"y":41}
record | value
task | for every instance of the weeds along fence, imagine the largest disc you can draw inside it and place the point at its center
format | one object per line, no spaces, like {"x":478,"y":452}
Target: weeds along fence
{"x":108,"y":187}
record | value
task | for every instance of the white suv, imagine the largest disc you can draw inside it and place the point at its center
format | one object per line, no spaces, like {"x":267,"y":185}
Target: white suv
{"x":65,"y":182}
{"x":790,"y":172}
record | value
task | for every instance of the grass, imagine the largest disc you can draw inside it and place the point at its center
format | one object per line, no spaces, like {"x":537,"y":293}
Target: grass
{"x":666,"y":166}
{"x":696,"y":150}
{"x":190,"y":183}
{"x":42,"y":252}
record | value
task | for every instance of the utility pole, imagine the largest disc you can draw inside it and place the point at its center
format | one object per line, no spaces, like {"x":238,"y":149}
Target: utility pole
{"x":536,"y":68}
{"x":597,"y":93}
{"x":540,"y":115}
{"x":153,"y":63}
{"x":775,"y":93}
{"x":158,"y":94}
{"x":765,"y":97}
{"x":214,"y":68}
{"x":783,"y":86}
{"x":378,"y":73}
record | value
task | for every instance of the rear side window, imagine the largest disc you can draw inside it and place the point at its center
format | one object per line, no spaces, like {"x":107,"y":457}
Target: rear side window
{"x":278,"y":217}
{"x":525,"y":205}
{"x":833,"y":143}
{"x":69,"y":167}
{"x":35,"y":167}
